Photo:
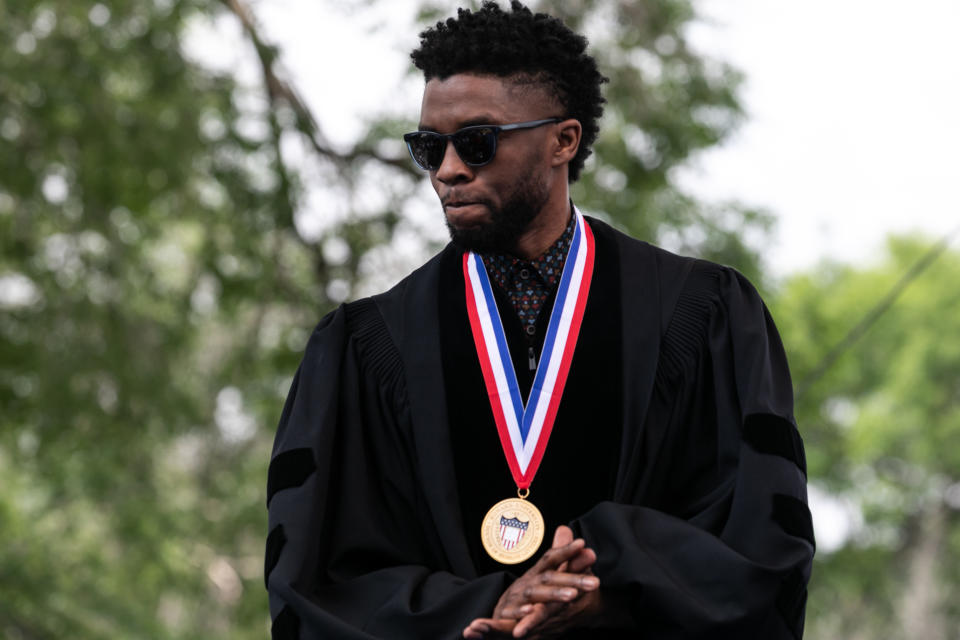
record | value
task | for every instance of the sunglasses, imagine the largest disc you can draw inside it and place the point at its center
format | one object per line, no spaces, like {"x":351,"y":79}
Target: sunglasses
{"x":475,"y":145}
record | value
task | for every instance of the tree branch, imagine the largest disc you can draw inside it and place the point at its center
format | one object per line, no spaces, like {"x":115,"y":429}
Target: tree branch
{"x":279,"y":89}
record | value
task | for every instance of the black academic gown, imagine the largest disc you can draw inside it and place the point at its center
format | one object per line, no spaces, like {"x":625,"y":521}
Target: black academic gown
{"x":706,"y":533}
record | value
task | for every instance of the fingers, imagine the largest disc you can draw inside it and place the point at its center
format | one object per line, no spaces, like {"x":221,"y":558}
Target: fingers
{"x":556,"y":556}
{"x":562,"y":555}
{"x":480,"y":627}
{"x":517,"y":611}
{"x":549,"y":593}
{"x":562,"y":537}
{"x":552,"y":618}
{"x":530,"y":621}
{"x":550,"y":587}
{"x":582,"y":561}
{"x":560,"y":576}
{"x":579,"y":581}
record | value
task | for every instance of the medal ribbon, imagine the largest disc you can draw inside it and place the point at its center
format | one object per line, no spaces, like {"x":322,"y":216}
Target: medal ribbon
{"x":525,"y":430}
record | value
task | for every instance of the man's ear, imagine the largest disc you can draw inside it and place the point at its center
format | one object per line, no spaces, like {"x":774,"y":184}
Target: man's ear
{"x":569,"y":132}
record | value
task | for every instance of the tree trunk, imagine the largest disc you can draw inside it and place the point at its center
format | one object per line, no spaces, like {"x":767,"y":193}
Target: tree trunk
{"x":920,"y":614}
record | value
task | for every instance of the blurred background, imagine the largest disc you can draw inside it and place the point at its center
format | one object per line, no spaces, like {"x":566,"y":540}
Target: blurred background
{"x":187,"y":186}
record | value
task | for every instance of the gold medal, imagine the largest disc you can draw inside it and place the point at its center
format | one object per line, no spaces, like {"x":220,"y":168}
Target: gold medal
{"x":512,"y":531}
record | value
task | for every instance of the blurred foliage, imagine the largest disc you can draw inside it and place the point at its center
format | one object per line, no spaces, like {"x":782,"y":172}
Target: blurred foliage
{"x":155,"y":288}
{"x":881,"y":427}
{"x":156,"y":294}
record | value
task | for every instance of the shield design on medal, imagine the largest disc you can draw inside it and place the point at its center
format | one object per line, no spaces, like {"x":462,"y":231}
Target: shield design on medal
{"x":511,"y":531}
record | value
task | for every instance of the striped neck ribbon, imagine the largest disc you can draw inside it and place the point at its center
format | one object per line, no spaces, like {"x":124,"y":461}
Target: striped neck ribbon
{"x":525,"y":429}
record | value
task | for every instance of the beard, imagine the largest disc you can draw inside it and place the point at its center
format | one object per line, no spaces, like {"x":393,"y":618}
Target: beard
{"x":500,"y":233}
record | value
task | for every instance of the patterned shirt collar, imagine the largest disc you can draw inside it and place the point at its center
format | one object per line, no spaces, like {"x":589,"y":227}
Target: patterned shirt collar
{"x":528,"y":283}
{"x":548,"y":265}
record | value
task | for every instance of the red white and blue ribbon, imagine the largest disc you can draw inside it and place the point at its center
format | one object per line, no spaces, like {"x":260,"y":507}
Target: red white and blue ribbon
{"x":525,"y":429}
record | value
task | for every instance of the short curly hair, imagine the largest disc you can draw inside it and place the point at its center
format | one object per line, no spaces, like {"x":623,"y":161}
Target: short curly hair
{"x":536,"y":47}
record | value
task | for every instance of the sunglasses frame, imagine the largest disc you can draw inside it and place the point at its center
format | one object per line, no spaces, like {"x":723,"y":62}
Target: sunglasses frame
{"x":495,"y":130}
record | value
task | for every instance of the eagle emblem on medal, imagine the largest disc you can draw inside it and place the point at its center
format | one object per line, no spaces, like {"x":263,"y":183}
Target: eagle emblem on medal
{"x":512,"y":531}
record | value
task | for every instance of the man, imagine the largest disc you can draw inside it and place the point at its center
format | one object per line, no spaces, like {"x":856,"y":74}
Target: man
{"x":413,"y":445}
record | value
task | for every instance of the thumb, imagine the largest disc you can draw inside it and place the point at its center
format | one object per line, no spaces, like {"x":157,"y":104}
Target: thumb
{"x":563,"y":536}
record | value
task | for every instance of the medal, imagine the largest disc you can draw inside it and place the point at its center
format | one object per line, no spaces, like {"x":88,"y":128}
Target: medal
{"x":513,"y":529}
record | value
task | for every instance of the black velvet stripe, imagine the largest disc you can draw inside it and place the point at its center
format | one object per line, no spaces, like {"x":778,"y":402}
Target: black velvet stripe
{"x":686,"y":332}
{"x":775,"y":436}
{"x":792,"y":602}
{"x":288,"y":470}
{"x":366,"y":325}
{"x":275,"y":542}
{"x":793,"y":516}
{"x":286,"y":626}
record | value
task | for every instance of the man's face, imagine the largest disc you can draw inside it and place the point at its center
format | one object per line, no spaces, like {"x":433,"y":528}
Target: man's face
{"x":488,"y":207}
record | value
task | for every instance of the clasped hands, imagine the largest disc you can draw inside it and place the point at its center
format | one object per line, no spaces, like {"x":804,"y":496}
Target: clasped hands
{"x":555,"y":594}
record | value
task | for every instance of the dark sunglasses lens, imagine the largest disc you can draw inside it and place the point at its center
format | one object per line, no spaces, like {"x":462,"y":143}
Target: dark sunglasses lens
{"x":475,"y":145}
{"x":427,"y":149}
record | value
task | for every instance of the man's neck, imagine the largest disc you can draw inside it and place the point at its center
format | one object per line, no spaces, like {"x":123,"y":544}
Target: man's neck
{"x":543,"y":232}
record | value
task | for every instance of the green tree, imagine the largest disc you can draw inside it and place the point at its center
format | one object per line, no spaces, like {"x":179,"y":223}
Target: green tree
{"x":881,"y":427}
{"x":155,"y":294}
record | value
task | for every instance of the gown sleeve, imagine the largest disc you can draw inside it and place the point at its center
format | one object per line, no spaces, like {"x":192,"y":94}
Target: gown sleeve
{"x":716,"y":539}
{"x":350,"y":552}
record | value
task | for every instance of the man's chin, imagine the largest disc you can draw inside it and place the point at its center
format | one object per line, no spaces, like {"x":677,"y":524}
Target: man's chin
{"x":486,"y":228}
{"x":481,"y":238}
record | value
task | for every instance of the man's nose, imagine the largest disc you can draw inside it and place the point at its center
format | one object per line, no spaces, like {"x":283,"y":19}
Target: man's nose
{"x":452,"y":169}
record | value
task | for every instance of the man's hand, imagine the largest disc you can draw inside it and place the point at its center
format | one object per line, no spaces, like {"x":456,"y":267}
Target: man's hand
{"x":551,"y":596}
